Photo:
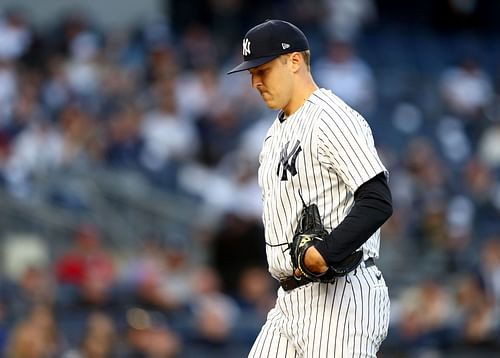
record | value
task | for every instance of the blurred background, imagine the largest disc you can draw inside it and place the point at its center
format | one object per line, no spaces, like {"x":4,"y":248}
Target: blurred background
{"x":130,"y":217}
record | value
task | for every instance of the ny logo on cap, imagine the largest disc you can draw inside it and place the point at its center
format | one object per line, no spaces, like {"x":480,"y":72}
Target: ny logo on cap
{"x":246,"y":47}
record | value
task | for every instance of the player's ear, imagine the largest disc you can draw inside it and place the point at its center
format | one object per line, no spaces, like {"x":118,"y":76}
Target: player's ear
{"x":296,"y":61}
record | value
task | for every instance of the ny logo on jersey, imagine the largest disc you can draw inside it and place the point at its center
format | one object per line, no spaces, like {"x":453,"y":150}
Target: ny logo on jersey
{"x":246,"y":47}
{"x":287,"y":161}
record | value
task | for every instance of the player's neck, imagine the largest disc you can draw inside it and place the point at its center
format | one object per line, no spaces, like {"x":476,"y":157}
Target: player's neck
{"x":304,"y":88}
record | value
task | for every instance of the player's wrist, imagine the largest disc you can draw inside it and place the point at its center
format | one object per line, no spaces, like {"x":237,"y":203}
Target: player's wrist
{"x":315,"y":261}
{"x":322,"y":250}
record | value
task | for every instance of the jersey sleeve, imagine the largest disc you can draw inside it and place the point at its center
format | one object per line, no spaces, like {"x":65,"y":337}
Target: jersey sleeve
{"x":346,"y":146}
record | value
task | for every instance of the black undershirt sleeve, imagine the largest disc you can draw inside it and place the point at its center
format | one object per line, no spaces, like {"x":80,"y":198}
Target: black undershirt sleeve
{"x":372,"y":207}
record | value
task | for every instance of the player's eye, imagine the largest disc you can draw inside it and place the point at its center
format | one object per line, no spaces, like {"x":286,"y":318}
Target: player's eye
{"x":264,"y":71}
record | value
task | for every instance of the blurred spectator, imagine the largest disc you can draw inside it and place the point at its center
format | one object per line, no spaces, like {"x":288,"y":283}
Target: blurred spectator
{"x":167,"y":136}
{"x":219,"y":133}
{"x":34,"y":289}
{"x":86,"y":261}
{"x":215,"y":313}
{"x":460,"y":214}
{"x":407,"y":118}
{"x":346,"y":18}
{"x":27,"y":275}
{"x":197,"y":92}
{"x":83,"y":142}
{"x":15,"y":35}
{"x":159,"y":277}
{"x":488,"y":148}
{"x":455,"y":143}
{"x":430,"y":192}
{"x":426,"y":315}
{"x":257,"y":291}
{"x":72,"y":23}
{"x":26,"y":107}
{"x":490,"y":268}
{"x":180,"y":268}
{"x":245,"y":200}
{"x":349,"y":77}
{"x":161,"y":62}
{"x":36,"y":150}
{"x":149,"y":336}
{"x":199,"y":47}
{"x":124,"y":143}
{"x":83,"y":69}
{"x":119,"y":86}
{"x":36,"y":336}
{"x":8,"y":90}
{"x":479,"y":181}
{"x":478,"y":315}
{"x":27,"y":341}
{"x":55,"y":91}
{"x":480,"y":186}
{"x":99,"y":339}
{"x":466,"y":89}
{"x":86,"y":274}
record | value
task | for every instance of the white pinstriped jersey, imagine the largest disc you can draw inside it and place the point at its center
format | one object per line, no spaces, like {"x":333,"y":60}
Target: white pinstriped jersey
{"x":324,"y":151}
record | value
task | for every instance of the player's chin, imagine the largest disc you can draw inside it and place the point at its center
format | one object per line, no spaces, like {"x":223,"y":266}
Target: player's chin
{"x":271,"y":104}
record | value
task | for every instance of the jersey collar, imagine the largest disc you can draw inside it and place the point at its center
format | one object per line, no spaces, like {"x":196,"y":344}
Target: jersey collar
{"x":281,"y":116}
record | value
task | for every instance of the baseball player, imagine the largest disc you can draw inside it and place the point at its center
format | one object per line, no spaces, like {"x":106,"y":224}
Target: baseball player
{"x":318,"y":157}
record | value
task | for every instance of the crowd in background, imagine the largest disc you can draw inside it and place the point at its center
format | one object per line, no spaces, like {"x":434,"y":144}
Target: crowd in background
{"x":155,"y":100}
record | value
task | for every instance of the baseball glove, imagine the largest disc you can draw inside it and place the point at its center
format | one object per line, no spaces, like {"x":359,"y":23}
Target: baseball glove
{"x":309,"y":232}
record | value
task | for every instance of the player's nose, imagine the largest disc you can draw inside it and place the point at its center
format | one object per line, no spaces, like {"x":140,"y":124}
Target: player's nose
{"x":256,"y":81}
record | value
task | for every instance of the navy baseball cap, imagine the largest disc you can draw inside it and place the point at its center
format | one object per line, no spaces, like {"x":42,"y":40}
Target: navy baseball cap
{"x":269,"y":40}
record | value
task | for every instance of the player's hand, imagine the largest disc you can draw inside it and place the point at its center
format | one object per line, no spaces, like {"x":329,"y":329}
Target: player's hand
{"x":314,"y":262}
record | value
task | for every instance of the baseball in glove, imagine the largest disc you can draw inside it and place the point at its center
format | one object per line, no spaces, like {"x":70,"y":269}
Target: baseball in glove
{"x":308,"y":233}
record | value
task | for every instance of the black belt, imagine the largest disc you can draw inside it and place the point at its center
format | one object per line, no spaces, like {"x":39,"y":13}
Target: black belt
{"x":289,"y":283}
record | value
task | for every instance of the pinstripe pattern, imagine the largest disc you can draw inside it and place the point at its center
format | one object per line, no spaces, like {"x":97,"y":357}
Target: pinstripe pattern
{"x":348,"y":318}
{"x":325,"y":150}
{"x":337,"y":156}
